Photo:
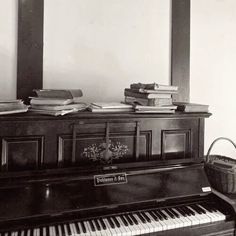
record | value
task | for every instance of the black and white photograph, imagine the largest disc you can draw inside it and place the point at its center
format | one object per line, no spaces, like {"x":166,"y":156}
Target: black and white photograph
{"x":117,"y":117}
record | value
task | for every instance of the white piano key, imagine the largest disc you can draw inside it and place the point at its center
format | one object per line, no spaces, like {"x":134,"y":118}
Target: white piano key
{"x":112,"y":231}
{"x":80,"y":229}
{"x":213,"y":216}
{"x":202,"y":217}
{"x":117,"y":229}
{"x":184,"y":219}
{"x":143,"y":227}
{"x":98,"y":232}
{"x":88,"y":230}
{"x":59,"y":230}
{"x":157,"y":226}
{"x":126,"y":231}
{"x":169,"y":222}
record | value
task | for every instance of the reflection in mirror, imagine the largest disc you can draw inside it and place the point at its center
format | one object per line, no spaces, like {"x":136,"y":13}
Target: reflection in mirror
{"x":103,"y":46}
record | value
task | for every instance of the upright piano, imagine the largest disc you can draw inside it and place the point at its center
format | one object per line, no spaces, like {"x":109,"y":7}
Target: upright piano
{"x":157,"y":188}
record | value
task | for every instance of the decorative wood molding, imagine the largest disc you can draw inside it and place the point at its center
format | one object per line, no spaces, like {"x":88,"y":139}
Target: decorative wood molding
{"x":30,"y":47}
{"x":180,"y":49}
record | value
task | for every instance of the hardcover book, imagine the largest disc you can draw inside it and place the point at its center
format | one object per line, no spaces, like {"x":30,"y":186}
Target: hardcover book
{"x":135,"y":93}
{"x":59,"y":93}
{"x":154,"y":86}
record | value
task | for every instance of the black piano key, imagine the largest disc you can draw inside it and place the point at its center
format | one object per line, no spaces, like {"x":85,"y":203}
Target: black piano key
{"x":206,"y":207}
{"x":154,"y":216}
{"x":134,"y":219}
{"x":197,"y":209}
{"x":146,"y":217}
{"x":181,"y":211}
{"x":56,"y":231}
{"x":124,"y":220}
{"x":117,"y":223}
{"x":77,"y":228}
{"x":91,"y":225}
{"x":141,"y":217}
{"x":192,"y":212}
{"x":83,"y":227}
{"x":102,"y":223}
{"x":200,"y":208}
{"x":171,"y":215}
{"x":68,"y":229}
{"x":186,"y":210}
{"x":97,"y":224}
{"x":173,"y":212}
{"x":160,"y":213}
{"x":111,"y":222}
{"x":129,"y":219}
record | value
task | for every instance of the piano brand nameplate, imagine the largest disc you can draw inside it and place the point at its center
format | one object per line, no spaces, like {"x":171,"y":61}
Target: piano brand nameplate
{"x":110,"y":179}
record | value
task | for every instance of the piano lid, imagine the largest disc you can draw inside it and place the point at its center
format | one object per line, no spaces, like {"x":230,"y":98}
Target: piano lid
{"x":113,"y":189}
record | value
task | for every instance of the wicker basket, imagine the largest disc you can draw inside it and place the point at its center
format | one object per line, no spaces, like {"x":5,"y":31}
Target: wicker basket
{"x":221,"y":178}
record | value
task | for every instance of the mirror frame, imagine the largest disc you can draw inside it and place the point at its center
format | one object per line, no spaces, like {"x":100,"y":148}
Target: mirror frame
{"x":30,"y":48}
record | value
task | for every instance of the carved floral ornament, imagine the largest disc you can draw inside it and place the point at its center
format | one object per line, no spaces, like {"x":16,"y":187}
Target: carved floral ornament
{"x":105,"y":153}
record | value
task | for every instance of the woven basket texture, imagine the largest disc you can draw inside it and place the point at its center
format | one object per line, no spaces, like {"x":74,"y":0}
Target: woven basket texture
{"x":220,"y":178}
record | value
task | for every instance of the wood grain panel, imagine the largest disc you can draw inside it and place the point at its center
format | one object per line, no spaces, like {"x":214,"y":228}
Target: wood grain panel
{"x":22,"y":153}
{"x":176,"y":144}
{"x":91,"y":149}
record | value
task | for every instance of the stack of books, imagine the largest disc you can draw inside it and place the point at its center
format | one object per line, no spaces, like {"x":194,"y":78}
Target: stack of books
{"x":110,"y":107}
{"x":151,"y":98}
{"x":57,"y":101}
{"x":12,"y":106}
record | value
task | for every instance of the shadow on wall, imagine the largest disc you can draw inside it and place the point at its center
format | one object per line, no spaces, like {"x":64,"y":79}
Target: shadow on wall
{"x":7,"y":74}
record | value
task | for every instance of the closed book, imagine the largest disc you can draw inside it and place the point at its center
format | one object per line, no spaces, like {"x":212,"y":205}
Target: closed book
{"x":50,"y":101}
{"x":154,"y":86}
{"x":59,"y":93}
{"x":104,"y":110}
{"x":19,"y":110}
{"x":134,"y":93}
{"x":111,"y":105}
{"x":11,"y":106}
{"x":157,"y":108}
{"x":78,"y":106}
{"x":156,"y":111}
{"x":148,"y":101}
{"x":53,"y":112}
{"x":191,"y":107}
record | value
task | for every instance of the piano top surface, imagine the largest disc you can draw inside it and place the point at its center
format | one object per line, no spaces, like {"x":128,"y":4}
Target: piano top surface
{"x":58,"y":197}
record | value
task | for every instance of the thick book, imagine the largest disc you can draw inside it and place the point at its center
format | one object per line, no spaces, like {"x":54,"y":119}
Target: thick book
{"x":59,"y":93}
{"x":135,"y":93}
{"x":148,"y":101}
{"x":154,"y":86}
{"x":191,"y":107}
{"x":50,"y":101}
{"x":78,"y":106}
{"x":106,"y":105}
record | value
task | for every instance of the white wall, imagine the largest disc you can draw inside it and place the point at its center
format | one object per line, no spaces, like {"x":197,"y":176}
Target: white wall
{"x":8,"y":42}
{"x":213,"y":68}
{"x":103,"y":46}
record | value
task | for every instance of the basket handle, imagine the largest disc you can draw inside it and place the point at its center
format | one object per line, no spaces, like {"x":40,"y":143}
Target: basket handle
{"x":211,"y":146}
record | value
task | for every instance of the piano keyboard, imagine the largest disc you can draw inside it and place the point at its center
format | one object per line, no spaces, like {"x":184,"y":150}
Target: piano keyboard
{"x":133,"y":223}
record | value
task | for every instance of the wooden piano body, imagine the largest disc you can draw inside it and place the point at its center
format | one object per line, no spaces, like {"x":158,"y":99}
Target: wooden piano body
{"x":58,"y":174}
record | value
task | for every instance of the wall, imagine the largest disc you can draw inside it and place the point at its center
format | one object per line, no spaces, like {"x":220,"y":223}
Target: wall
{"x":8,"y":42}
{"x":103,"y":46}
{"x":213,"y":68}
